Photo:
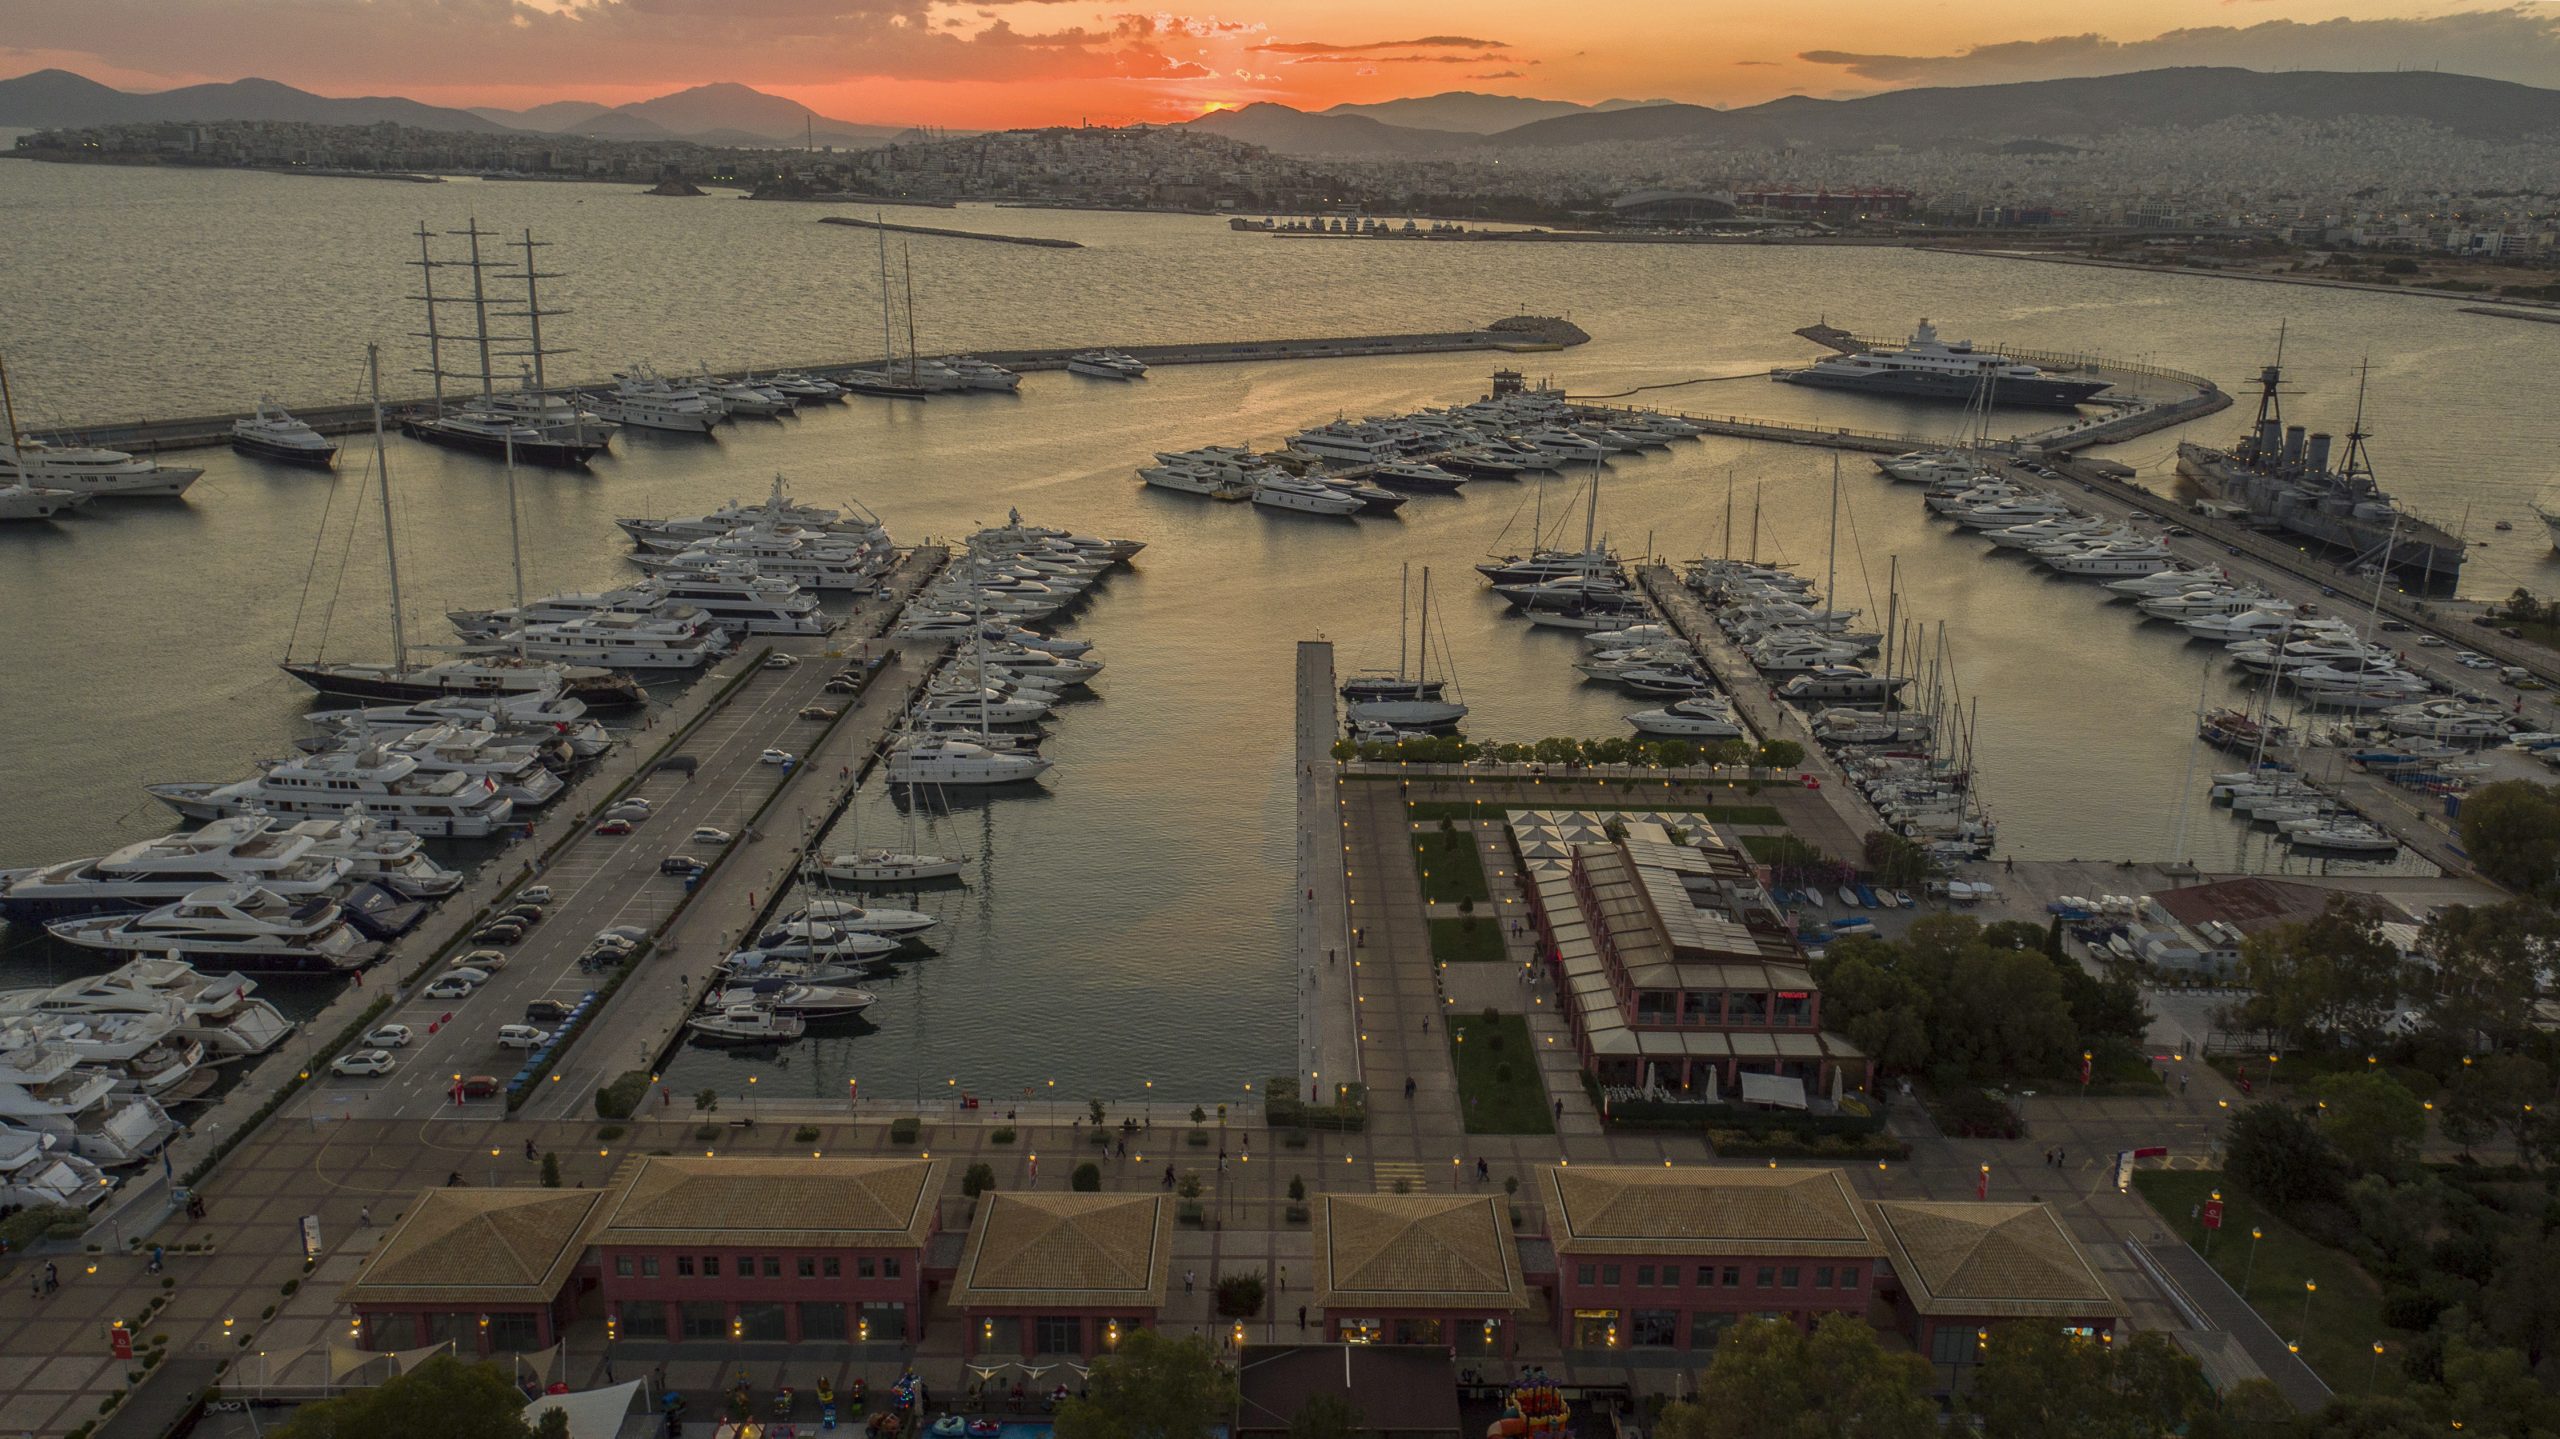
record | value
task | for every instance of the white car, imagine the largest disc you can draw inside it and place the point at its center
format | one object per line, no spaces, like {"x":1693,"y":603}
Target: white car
{"x":390,"y":1036}
{"x":453,"y":986}
{"x":615,"y":940}
{"x":711,"y":835}
{"x":534,"y":894}
{"x":484,"y":960}
{"x":634,"y":810}
{"x":778,"y":756}
{"x":521,"y":1036}
{"x":362,"y":1062}
{"x":2431,"y":641}
{"x":780,"y":662}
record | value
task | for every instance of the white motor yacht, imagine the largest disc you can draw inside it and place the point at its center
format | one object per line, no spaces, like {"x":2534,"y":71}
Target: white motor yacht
{"x":44,"y":1087}
{"x":273,"y":434}
{"x":1106,"y":365}
{"x":890,"y":867}
{"x":242,"y":926}
{"x":2213,"y":600}
{"x":985,"y":705}
{"x":806,"y":389}
{"x":1194,"y":479}
{"x":778,"y":556}
{"x":946,"y":760}
{"x":1280,"y":491}
{"x":218,"y":1010}
{"x":795,"y":998}
{"x":2056,"y":530}
{"x":746,"y":1023}
{"x":742,"y":397}
{"x":617,"y":640}
{"x":1349,"y":442}
{"x":864,"y":918}
{"x":2006,"y":513}
{"x":2446,"y":720}
{"x":977,"y":374}
{"x":1828,"y":683}
{"x":20,"y":501}
{"x":40,"y":1170}
{"x":741,"y":600}
{"x":388,"y":786}
{"x":96,"y":473}
{"x":641,"y":399}
{"x":151,"y":873}
{"x":479,"y":754}
{"x":1699,"y":717}
{"x":2169,"y":582}
{"x":142,"y":1048}
{"x":2139,"y":557}
{"x":394,"y":858}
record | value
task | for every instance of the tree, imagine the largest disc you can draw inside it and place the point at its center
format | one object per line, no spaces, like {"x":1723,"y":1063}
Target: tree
{"x":1152,"y":1387}
{"x":550,"y":1170}
{"x":443,"y":1398}
{"x":1771,"y":1380}
{"x":1087,"y":1179}
{"x":2366,"y":1416}
{"x":2522,"y":1304}
{"x":2331,"y":977}
{"x":2279,"y":1155}
{"x":1781,"y":754}
{"x":1882,"y":1010}
{"x":2036,"y":1381}
{"x":554,"y":1424}
{"x":2495,"y":1391}
{"x":2511,"y":830}
{"x":2510,"y":1091}
{"x":1240,"y":1295}
{"x":2372,"y":1119}
{"x":2487,"y":973}
{"x":977,"y":1179}
{"x":1325,"y":1416}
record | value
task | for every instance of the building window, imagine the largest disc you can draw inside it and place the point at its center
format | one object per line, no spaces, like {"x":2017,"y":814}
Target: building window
{"x":516,"y":1333}
{"x":1057,"y":1334}
{"x":1706,"y":1276}
{"x":1418,"y":1331}
{"x":1361,"y":1331}
{"x":772,"y":1266}
{"x":648,"y":1266}
{"x":644,"y":1319}
{"x":1706,"y":1329}
{"x":705,"y":1319}
{"x":684,"y":1266}
{"x":1654,"y":1328}
{"x":1609,"y":1275}
{"x":832,"y":1267}
{"x":862,"y":1268}
{"x":1586,"y":1275}
{"x":1788,"y":1276}
{"x":1595,"y":1328}
{"x":821,"y":1321}
{"x":1644,"y":1275}
{"x":1733,"y":1276}
{"x":889,"y":1266}
{"x":622,"y":1266}
{"x":880,"y":1323}
{"x":1849,"y":1277}
{"x":1765,"y":1278}
{"x":1951,"y":1345}
{"x":761,"y":1322}
{"x":1822,"y":1276}
{"x":711,"y":1266}
{"x":808,"y":1267}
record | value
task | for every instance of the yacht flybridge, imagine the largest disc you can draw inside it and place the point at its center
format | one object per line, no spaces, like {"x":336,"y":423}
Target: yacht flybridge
{"x":151,"y":873}
{"x":239,"y":925}
{"x":391,"y":787}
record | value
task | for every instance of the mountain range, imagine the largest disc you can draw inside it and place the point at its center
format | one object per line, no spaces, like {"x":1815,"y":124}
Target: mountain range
{"x":1948,"y":115}
{"x":1474,"y":113}
{"x":725,"y":114}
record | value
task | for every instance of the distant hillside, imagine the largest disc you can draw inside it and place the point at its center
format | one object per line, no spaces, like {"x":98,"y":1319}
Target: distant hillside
{"x":1471,"y":112}
{"x":721,"y":114}
{"x":2038,"y":109}
{"x":58,"y":97}
{"x":1295,"y":132}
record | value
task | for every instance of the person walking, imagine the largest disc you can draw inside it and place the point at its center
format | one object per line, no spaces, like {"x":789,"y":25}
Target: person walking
{"x":364,"y":1216}
{"x":1189,"y":1277}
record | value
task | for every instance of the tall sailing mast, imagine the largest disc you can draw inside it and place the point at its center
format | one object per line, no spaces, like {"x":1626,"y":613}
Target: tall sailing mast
{"x":479,"y":297}
{"x":390,"y":538}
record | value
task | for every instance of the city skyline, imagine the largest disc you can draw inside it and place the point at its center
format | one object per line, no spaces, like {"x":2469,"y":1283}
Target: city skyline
{"x":1007,"y":63}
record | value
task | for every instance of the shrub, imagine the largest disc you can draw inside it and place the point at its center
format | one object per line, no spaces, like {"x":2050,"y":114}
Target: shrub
{"x":978,"y":1179}
{"x":1003,"y":1135}
{"x":1966,"y":1112}
{"x":611,"y":1132}
{"x":805,"y":1134}
{"x":1198,"y":1139}
{"x":1297,"y":1213}
{"x":1502,"y":1071}
{"x":291,"y":1285}
{"x":1190,"y":1186}
{"x":705,"y":1133}
{"x":1240,"y":1296}
{"x":1198,"y":1114}
{"x":550,"y":1170}
{"x":1087,"y":1178}
{"x":1295,"y":1139}
{"x":1297,"y":1187}
{"x":621,"y":1097}
{"x":903,"y":1131}
{"x":1189,"y":1213}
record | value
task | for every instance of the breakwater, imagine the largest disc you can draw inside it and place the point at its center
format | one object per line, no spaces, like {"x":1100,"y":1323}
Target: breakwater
{"x":1038,"y":241}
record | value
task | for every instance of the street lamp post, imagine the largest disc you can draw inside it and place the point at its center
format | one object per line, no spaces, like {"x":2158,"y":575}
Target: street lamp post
{"x":2309,"y":1288}
{"x":2249,"y":1271}
{"x":2373,"y":1375}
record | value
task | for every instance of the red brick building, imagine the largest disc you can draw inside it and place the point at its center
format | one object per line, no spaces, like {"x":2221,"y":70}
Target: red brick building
{"x":1439,"y":1270}
{"x":1061,"y":1274}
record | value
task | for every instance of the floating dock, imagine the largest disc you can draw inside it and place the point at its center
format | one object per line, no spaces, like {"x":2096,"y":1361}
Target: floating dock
{"x":1037,"y":241}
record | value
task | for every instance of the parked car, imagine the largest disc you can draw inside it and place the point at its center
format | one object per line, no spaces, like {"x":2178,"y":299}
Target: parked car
{"x":631,"y":932}
{"x":485,"y":960}
{"x":614,"y":826}
{"x":780,"y":662}
{"x":498,"y":931}
{"x":469,"y":974}
{"x":480,"y":1086}
{"x":711,"y":834}
{"x":363,"y":1062}
{"x":450,"y":987}
{"x":526,"y":912}
{"x":534,"y":894}
{"x":840,"y":685}
{"x":684,"y":864}
{"x":390,"y":1036}
{"x":817,"y":712}
{"x":545,"y":1011}
{"x":634,"y":809}
{"x":778,"y":756}
{"x":522,"y":1036}
{"x":616,"y":940}
{"x":2431,"y":641}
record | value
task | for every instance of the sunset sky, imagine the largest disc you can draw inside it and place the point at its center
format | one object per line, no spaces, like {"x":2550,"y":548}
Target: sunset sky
{"x":985,"y":63}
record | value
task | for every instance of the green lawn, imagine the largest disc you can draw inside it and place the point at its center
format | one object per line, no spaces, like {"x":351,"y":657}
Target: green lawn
{"x":2345,"y":1313}
{"x":1450,"y":871}
{"x":1456,"y":941}
{"x":1485,"y":1054}
{"x":1432,"y":811}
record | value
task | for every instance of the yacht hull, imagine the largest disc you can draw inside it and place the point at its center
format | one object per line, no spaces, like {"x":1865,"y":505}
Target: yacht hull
{"x":317,"y":459}
{"x":560,"y":454}
{"x":600,"y":691}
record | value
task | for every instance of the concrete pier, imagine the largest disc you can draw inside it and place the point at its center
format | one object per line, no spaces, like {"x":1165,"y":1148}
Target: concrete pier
{"x":1041,"y":242}
{"x":1328,"y":1036}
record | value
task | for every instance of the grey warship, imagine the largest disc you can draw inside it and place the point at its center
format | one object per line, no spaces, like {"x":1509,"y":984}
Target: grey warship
{"x":2284,"y":480}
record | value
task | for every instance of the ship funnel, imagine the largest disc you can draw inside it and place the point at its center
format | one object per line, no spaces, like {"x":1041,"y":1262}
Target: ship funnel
{"x":2269,"y":432}
{"x":2292,"y":445}
{"x":2317,"y":457}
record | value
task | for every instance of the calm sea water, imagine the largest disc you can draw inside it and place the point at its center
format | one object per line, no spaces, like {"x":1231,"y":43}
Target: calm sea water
{"x":1129,"y":921}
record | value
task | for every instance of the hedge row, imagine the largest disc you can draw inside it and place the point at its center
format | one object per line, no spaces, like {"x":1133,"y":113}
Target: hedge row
{"x":1283,"y":1109}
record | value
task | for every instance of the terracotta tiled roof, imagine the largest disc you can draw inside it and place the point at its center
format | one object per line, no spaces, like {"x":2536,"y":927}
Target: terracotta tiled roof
{"x":667,"y":1199}
{"x":1993,"y":1260}
{"x":1403,"y":1251}
{"x":1603,"y":1209}
{"x":1066,"y":1251}
{"x":480,"y":1246}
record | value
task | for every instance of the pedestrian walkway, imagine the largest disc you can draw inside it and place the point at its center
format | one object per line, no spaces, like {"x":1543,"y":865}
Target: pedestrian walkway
{"x":1328,"y":1030}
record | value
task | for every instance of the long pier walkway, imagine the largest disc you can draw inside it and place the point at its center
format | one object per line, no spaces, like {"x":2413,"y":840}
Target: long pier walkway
{"x":1328,"y":1035}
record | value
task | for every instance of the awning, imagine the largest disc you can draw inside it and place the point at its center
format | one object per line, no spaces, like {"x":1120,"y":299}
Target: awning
{"x":1784,"y":1092}
{"x":593,"y":1413}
